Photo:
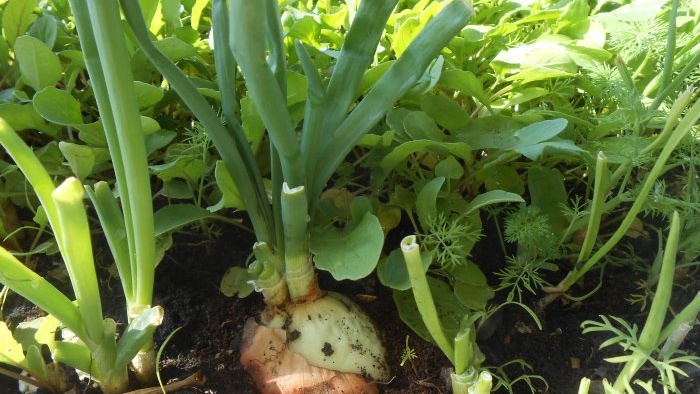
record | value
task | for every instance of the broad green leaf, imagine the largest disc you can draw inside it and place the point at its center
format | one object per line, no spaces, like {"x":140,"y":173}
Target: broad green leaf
{"x":419,"y":126}
{"x":465,"y":82}
{"x":371,"y":76}
{"x":178,"y":189}
{"x":542,"y":59}
{"x":5,"y":66}
{"x":469,"y":273}
{"x":137,"y":335}
{"x":92,"y":134}
{"x":230,"y":198}
{"x":336,"y":19}
{"x":403,"y":198}
{"x":36,"y":333}
{"x":426,"y":200}
{"x":11,"y":351}
{"x":51,"y":158}
{"x":296,"y":88}
{"x":492,"y":197}
{"x":34,"y":361}
{"x":149,"y":125}
{"x":163,"y":244}
{"x":58,"y":106}
{"x":406,"y":33}
{"x":39,"y":66}
{"x":430,"y":77}
{"x":172,"y":47}
{"x":401,"y":152}
{"x":306,"y":30}
{"x":574,"y":21}
{"x":75,"y":56}
{"x":536,"y":74}
{"x":171,"y":12}
{"x":23,"y":117}
{"x":450,"y":309}
{"x":540,"y":131}
{"x":80,"y":158}
{"x":40,"y":217}
{"x":548,"y":193}
{"x":236,"y":280}
{"x":504,"y":178}
{"x":637,"y":11}
{"x":445,"y":111}
{"x":147,"y":95}
{"x":16,"y":18}
{"x":196,"y":13}
{"x":44,"y":332}
{"x":172,"y":217}
{"x":45,"y":29}
{"x":75,"y":355}
{"x":587,"y":55}
{"x":473,"y":297}
{"x":392,"y":271}
{"x":564,"y":146}
{"x":395,"y":120}
{"x":148,"y":8}
{"x":252,"y":123}
{"x":449,"y":168}
{"x":349,"y":253}
{"x":159,"y":139}
{"x":497,"y":132}
{"x":185,"y":167}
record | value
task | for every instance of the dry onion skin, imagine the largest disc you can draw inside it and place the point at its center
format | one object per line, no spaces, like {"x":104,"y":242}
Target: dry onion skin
{"x":323,"y":346}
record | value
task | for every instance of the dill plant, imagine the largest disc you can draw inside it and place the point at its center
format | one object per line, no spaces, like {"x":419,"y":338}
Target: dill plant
{"x":530,"y":229}
{"x":450,"y":241}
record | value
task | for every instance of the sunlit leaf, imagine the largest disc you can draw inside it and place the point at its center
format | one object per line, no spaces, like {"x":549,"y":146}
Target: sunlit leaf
{"x":58,"y":106}
{"x":350,"y":253}
{"x":16,"y":18}
{"x":392,"y":271}
{"x":174,"y":216}
{"x":80,"y":158}
{"x":236,"y":280}
{"x":40,"y":67}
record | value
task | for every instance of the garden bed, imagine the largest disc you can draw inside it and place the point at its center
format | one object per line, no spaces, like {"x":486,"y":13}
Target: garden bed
{"x":210,"y":326}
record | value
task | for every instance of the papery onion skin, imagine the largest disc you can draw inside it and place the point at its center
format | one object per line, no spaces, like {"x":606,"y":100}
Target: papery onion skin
{"x":324,"y":346}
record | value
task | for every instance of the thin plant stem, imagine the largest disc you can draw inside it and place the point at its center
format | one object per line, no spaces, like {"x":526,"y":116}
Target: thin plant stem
{"x":678,"y":134}
{"x":299,"y":268}
{"x":600,"y":190}
{"x":649,"y":336}
{"x":247,"y":27}
{"x":229,"y":140}
{"x":423,"y":296}
{"x":670,"y":46}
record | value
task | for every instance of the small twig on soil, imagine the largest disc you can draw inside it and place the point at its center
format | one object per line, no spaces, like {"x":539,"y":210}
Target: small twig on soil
{"x":26,"y":379}
{"x":196,"y":379}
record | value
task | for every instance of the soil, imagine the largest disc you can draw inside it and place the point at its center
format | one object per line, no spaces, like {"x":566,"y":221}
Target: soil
{"x":210,"y":326}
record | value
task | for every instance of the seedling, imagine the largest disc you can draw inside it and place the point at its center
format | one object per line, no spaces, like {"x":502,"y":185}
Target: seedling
{"x":646,"y":347}
{"x":408,"y":354}
{"x":462,"y":349}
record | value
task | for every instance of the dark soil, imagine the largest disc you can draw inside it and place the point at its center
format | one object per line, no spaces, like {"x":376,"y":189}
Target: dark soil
{"x":210,"y":327}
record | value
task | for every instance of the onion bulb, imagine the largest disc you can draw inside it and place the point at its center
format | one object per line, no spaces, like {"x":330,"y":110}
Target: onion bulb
{"x":327,"y":345}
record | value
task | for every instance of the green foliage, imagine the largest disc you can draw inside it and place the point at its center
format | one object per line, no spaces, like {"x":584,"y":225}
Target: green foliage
{"x":408,"y":354}
{"x":570,"y":109}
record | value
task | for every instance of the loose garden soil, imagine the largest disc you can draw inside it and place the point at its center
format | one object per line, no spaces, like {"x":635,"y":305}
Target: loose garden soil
{"x":210,"y":325}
